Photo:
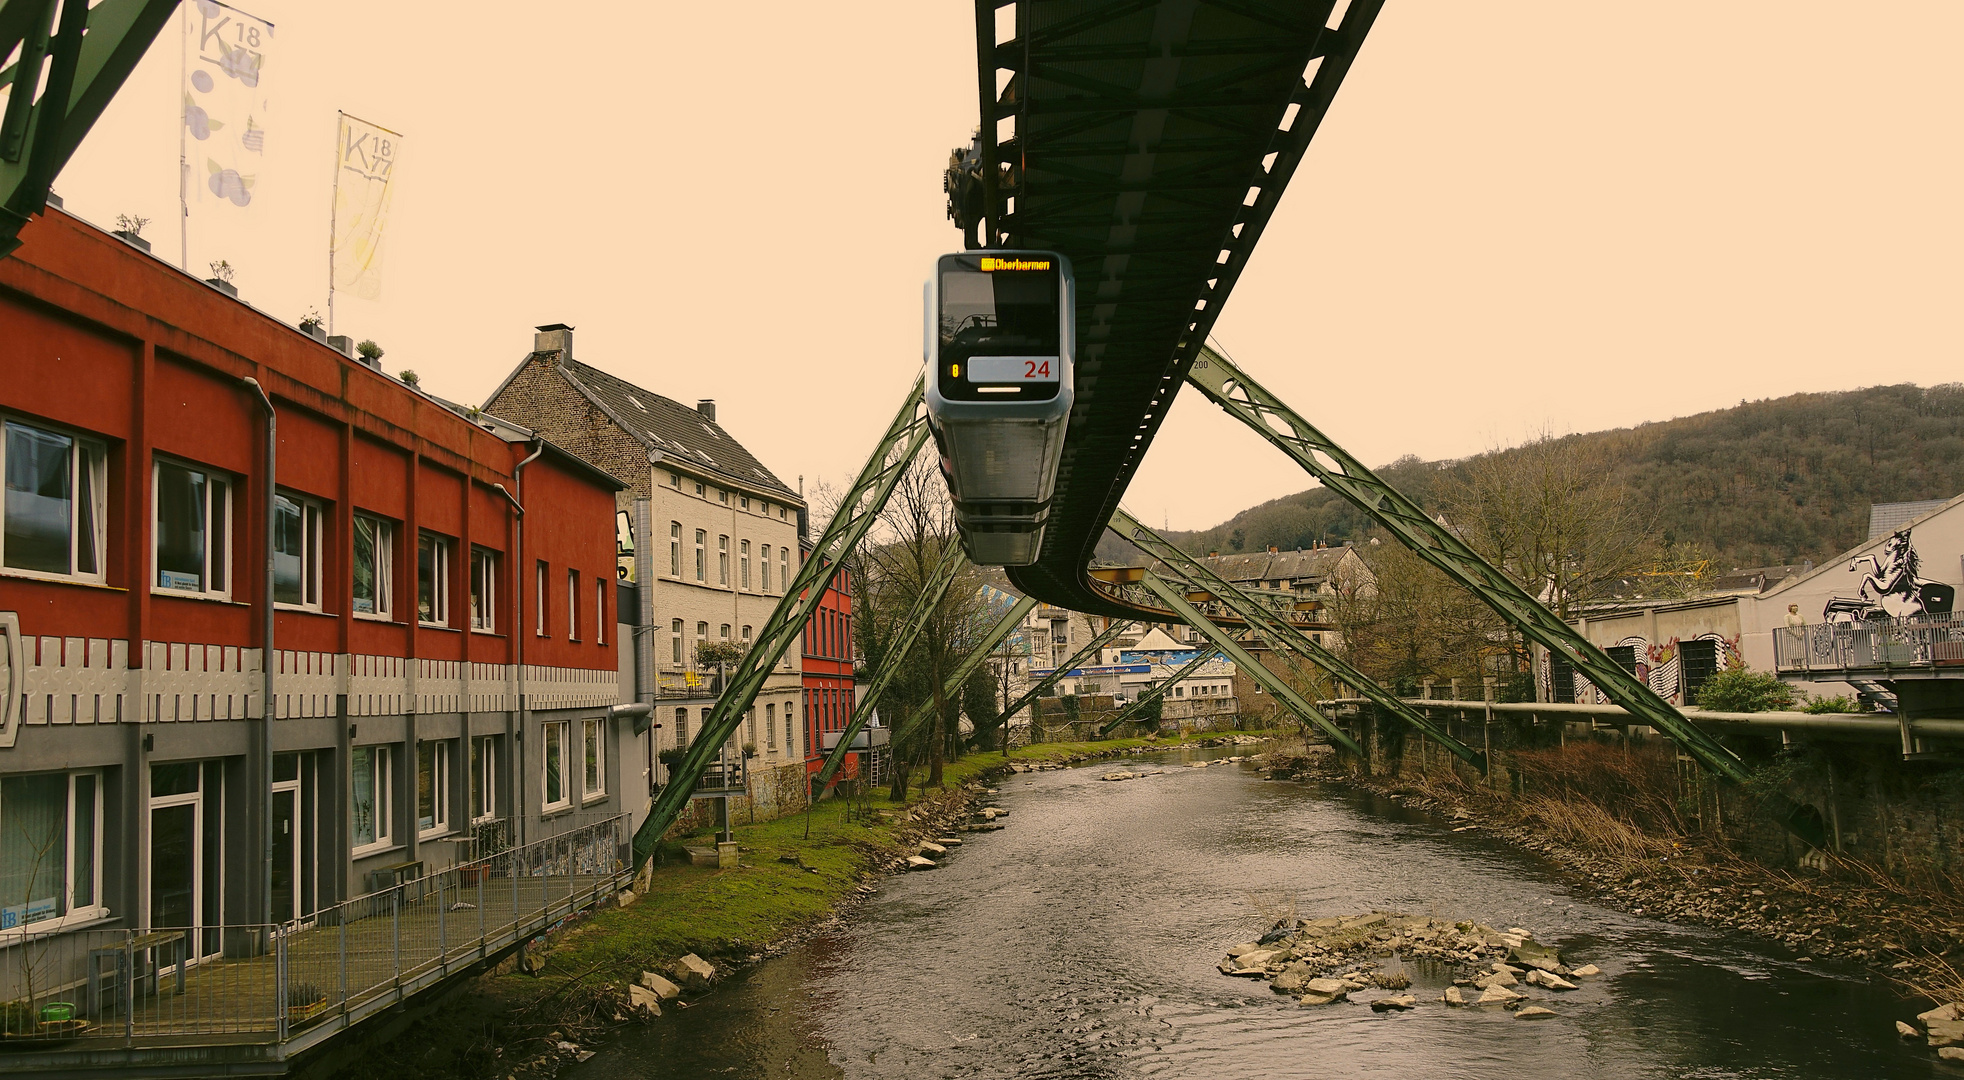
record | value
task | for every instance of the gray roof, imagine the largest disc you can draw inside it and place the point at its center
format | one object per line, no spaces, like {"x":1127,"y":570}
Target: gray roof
{"x":1313,"y":565}
{"x":1886,"y":518}
{"x":678,"y":431}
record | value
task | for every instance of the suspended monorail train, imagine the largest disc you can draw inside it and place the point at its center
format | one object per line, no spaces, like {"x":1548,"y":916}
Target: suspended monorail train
{"x":1001,"y":330}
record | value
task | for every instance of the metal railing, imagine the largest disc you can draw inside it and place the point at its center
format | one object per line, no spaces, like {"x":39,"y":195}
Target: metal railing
{"x":259,"y":984}
{"x":1921,"y":641}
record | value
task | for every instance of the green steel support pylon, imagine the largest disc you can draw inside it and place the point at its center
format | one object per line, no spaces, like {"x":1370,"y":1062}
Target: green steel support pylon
{"x":1270,"y":681}
{"x":952,"y":685}
{"x":1279,"y":631}
{"x":1246,"y":400}
{"x":939,"y":579}
{"x":1090,"y":651}
{"x":87,"y":58}
{"x":1158,"y":692}
{"x":857,"y":510}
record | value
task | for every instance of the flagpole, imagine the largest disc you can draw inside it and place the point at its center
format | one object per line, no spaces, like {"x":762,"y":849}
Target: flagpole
{"x":333,"y":217}
{"x":183,"y":153}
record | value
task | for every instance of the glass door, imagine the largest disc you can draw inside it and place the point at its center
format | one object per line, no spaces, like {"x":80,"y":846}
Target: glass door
{"x":286,"y":851}
{"x":174,"y":878}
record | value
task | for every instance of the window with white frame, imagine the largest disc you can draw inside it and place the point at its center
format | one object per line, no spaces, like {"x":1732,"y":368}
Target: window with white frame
{"x":374,"y":566}
{"x":675,"y":642}
{"x":764,"y":568}
{"x":484,"y":590}
{"x":433,"y":786}
{"x":53,"y":510}
{"x":744,"y":502}
{"x":743,"y":563}
{"x":722,"y":560}
{"x":682,"y":728}
{"x":192,"y":539}
{"x":675,"y":549}
{"x":484,"y":777}
{"x":555,"y":792}
{"x":593,"y":781}
{"x":600,"y":611}
{"x":699,"y":489}
{"x":770,"y":726}
{"x":572,"y":605}
{"x":725,"y":632}
{"x":539,"y":602}
{"x":372,"y":797}
{"x":296,"y":551}
{"x":433,"y":580}
{"x":702,"y":556}
{"x":675,"y":481}
{"x":50,"y":849}
{"x":790,"y":749}
{"x":702,"y":635}
{"x":784,"y":568}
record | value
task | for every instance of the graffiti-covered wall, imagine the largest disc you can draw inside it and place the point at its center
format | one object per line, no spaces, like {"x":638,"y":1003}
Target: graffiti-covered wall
{"x":1672,"y":649}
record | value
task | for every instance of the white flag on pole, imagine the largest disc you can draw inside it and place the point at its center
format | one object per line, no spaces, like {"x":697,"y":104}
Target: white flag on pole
{"x":225,"y":104}
{"x":364,"y":172}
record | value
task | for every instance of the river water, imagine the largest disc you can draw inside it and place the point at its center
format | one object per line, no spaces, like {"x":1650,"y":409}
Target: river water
{"x":1081,"y":942}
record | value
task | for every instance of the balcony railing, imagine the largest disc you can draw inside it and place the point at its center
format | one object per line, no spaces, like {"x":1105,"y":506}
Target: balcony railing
{"x":295,"y":984}
{"x":1929,"y":642}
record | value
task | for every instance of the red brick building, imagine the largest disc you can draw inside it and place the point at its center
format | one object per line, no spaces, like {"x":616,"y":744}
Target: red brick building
{"x":828,"y":665}
{"x":444,"y":662}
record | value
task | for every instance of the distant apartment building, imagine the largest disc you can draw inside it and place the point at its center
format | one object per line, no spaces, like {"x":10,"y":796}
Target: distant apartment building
{"x":1311,"y":576}
{"x":444,"y":650}
{"x":723,"y":530}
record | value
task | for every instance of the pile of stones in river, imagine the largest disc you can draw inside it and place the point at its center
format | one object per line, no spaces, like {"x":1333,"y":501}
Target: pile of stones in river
{"x":1321,"y":961}
{"x":1121,"y":776}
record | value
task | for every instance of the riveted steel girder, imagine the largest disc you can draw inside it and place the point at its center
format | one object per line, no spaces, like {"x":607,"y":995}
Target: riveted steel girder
{"x":857,"y":512}
{"x":1269,"y":680}
{"x":1090,"y":651}
{"x":87,"y":57}
{"x":953,"y":559}
{"x":1280,"y":632}
{"x":953,"y":683}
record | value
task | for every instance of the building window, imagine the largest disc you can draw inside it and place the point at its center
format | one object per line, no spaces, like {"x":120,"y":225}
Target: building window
{"x":723,"y":496}
{"x":780,"y":513}
{"x":1699,"y":660}
{"x":784,"y":568}
{"x":558,"y":794}
{"x":744,"y":502}
{"x":572,"y":605}
{"x":296,"y":551}
{"x":594,"y":757}
{"x":675,"y":641}
{"x":373,"y":796}
{"x":432,"y":787}
{"x":193,"y":541}
{"x":702,"y":556}
{"x":789,"y":749}
{"x":682,"y":727}
{"x":764,"y":568}
{"x":484,"y":777}
{"x":374,"y":566}
{"x":675,"y":549}
{"x":698,"y":490}
{"x":675,"y":481}
{"x":722,"y":560}
{"x":600,"y":611}
{"x":50,"y":848}
{"x":702,"y":635}
{"x":539,"y":604}
{"x":484,"y":590}
{"x":433,"y":580}
{"x":55,"y":492}
{"x":725,"y":634}
{"x":743,"y":563}
{"x":770,"y":726}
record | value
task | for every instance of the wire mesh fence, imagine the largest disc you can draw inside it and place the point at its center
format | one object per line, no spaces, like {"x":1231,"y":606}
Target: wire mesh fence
{"x":262,"y":983}
{"x":1931,"y":640}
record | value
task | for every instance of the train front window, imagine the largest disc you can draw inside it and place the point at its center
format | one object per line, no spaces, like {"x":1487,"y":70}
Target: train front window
{"x":1007,"y":319}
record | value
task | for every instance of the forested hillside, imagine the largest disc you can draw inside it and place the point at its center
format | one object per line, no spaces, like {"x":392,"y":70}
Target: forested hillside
{"x":1766,"y":482}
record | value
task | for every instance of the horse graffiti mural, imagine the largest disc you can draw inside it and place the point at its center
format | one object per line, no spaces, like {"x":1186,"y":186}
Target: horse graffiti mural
{"x":1892,"y":588}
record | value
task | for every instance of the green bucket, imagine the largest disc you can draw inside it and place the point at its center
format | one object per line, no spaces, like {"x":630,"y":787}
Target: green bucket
{"x":57,"y":1012}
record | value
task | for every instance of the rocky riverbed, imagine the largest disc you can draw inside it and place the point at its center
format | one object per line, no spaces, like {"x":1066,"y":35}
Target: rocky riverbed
{"x":1323,"y":961}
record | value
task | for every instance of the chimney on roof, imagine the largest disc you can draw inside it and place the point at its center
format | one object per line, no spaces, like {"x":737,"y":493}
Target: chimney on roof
{"x":1273,"y":550}
{"x":707,"y":407}
{"x":554,"y":337}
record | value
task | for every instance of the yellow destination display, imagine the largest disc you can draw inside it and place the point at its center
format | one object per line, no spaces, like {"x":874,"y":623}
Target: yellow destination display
{"x":991,"y":263}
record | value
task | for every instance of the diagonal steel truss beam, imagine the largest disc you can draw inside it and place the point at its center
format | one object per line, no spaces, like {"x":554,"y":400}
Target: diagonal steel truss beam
{"x":1269,"y":680}
{"x":953,"y":560}
{"x":1279,"y":631}
{"x":857,"y":511}
{"x":1091,"y":650}
{"x":87,"y":57}
{"x":1154,"y":694}
{"x":1246,"y":400}
{"x":953,"y":683}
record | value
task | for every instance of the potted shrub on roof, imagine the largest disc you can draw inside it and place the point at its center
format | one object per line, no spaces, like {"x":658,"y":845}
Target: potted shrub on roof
{"x":129,"y":229}
{"x":312,"y":325}
{"x":221,"y":278}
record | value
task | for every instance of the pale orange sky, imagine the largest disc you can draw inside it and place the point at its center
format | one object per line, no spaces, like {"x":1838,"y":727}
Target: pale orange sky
{"x":1516,"y":216}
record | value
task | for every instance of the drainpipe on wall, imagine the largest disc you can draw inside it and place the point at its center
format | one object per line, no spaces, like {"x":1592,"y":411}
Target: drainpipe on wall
{"x":516,"y":739}
{"x":262,"y":772}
